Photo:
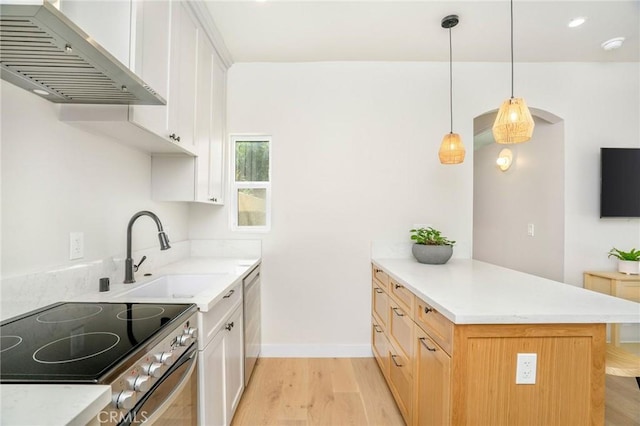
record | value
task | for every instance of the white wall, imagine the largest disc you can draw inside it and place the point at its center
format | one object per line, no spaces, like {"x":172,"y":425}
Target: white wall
{"x":531,"y":191}
{"x":355,"y":160}
{"x":57,"y":179}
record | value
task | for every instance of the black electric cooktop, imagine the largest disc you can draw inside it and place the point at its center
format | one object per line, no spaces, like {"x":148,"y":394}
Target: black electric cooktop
{"x":79,"y":342}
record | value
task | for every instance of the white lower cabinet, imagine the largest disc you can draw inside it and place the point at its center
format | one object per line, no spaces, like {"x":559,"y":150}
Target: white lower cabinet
{"x":220,"y":370}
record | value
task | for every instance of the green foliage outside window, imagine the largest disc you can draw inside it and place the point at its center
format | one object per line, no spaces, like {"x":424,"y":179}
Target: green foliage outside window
{"x":252,"y":161}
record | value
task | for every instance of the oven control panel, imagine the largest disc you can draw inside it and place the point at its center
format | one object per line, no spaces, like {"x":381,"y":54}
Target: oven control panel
{"x":148,"y":369}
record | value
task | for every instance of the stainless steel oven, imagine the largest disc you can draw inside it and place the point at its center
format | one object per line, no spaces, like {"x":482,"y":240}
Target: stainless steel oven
{"x":173,"y":400}
{"x":146,"y":352}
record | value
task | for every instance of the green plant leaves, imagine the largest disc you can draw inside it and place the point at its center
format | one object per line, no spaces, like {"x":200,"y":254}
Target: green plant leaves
{"x":430,"y":236}
{"x":633,"y":255}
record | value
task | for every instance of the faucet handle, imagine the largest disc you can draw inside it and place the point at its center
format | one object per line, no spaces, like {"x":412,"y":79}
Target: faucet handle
{"x":135,"y":267}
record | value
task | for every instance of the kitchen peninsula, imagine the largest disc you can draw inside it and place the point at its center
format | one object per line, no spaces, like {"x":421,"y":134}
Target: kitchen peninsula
{"x":448,"y":339}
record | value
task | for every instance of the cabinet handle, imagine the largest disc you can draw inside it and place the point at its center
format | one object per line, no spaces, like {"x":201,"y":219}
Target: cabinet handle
{"x":174,"y":137}
{"x":378,"y":290}
{"x":213,"y":199}
{"x":428,"y":309}
{"x":397,"y":286}
{"x":424,"y":343}
{"x":377,"y":329}
{"x":396,"y":311}
{"x":393,"y":358}
{"x":229,"y":326}
{"x":228,"y":295}
{"x":378,"y":271}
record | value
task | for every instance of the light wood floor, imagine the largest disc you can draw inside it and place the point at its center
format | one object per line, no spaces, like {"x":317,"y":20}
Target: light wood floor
{"x":352,"y":391}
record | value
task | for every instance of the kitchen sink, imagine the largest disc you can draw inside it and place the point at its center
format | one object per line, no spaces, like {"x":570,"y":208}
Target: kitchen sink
{"x":178,"y":286}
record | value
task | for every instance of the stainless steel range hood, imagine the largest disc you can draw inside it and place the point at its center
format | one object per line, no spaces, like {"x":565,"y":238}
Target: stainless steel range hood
{"x":42,"y":51}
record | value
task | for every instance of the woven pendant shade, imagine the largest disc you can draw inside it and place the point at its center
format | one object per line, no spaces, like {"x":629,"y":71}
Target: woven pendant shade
{"x":514,"y":123}
{"x":451,"y":149}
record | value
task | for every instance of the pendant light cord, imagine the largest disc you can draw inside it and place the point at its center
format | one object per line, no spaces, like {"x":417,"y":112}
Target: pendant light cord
{"x":451,"y":80}
{"x":512,"y":49}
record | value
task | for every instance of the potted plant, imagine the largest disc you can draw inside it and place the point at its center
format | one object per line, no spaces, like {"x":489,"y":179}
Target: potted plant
{"x":430,"y":246}
{"x":628,"y":261}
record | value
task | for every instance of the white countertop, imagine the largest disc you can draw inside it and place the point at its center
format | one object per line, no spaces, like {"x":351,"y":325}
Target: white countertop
{"x":38,"y":404}
{"x":472,"y":292}
{"x":43,"y":405}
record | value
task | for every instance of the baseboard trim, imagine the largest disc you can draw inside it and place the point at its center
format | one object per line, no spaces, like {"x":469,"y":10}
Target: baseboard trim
{"x":316,"y":351}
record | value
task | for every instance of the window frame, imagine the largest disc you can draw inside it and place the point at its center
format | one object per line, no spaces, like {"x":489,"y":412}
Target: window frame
{"x":237,"y":185}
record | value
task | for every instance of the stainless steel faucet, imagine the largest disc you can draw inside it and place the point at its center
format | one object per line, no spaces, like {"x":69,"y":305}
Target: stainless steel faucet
{"x":129,"y":267}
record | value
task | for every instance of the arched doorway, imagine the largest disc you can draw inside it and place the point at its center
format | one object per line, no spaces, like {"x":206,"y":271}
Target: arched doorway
{"x":518,"y":214}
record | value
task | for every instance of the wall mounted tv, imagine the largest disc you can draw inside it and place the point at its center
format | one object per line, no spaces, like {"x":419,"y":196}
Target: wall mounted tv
{"x":620,"y":182}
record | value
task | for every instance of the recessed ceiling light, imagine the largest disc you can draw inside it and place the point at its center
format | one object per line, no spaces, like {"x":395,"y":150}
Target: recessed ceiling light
{"x":576,"y":22}
{"x":41,"y":92}
{"x":614,"y":43}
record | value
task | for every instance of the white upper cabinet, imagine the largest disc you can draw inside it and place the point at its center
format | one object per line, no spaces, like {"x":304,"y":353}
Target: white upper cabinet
{"x":199,"y":179}
{"x":163,"y":51}
{"x":152,"y":61}
{"x":107,"y":22}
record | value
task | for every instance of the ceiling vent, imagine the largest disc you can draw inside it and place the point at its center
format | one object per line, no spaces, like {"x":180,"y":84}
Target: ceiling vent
{"x":42,"y":51}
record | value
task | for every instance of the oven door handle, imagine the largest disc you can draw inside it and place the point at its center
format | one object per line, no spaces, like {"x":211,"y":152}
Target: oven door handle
{"x":190,"y":356}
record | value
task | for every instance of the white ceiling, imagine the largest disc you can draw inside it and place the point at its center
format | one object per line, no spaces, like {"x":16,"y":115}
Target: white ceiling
{"x":302,"y":31}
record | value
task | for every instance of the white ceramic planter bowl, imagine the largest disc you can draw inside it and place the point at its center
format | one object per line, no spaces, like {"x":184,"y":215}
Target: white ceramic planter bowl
{"x":630,"y":267}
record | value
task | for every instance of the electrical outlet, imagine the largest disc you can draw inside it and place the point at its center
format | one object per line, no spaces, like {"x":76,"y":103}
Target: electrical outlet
{"x":526,"y":369}
{"x":530,"y":230}
{"x":76,"y":245}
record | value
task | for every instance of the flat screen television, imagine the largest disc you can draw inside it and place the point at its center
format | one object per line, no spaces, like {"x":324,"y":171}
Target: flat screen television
{"x":620,"y":182}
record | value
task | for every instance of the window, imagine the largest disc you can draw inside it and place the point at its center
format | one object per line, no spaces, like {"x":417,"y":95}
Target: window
{"x":251,"y":183}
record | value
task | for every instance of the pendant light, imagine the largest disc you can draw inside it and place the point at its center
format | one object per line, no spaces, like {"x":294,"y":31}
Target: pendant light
{"x":451,"y":149}
{"x":514,"y":123}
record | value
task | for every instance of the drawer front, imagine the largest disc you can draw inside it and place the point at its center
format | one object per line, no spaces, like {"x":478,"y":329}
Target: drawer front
{"x":629,"y":290}
{"x":401,"y":383}
{"x":380,"y":275}
{"x":211,"y":321}
{"x":380,"y":346}
{"x":401,"y":295}
{"x":599,"y":284}
{"x":439,"y":328}
{"x":401,"y":329}
{"x":432,"y":382}
{"x":380,"y":305}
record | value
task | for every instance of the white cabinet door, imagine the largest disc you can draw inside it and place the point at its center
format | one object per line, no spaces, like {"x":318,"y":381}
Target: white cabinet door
{"x":182,"y":83}
{"x":211,"y":387}
{"x":217,"y":159}
{"x":234,"y":364}
{"x":221,"y":366}
{"x":204,"y":118}
{"x":108,"y":22}
{"x":152,"y":61}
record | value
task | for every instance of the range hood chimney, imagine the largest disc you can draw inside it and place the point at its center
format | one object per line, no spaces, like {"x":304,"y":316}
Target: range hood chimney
{"x":42,"y":51}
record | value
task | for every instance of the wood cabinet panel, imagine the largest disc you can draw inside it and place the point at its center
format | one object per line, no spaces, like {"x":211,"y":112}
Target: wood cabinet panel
{"x":484,"y":365}
{"x":401,"y":295}
{"x":401,"y":382}
{"x":380,"y":346}
{"x":432,"y":380}
{"x":380,"y":305}
{"x":435,"y":324}
{"x":401,"y":330}
{"x":381,"y":276}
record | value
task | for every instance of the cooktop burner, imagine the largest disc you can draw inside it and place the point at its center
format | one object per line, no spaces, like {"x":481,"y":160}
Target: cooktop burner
{"x":79,"y":342}
{"x":69,"y":313}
